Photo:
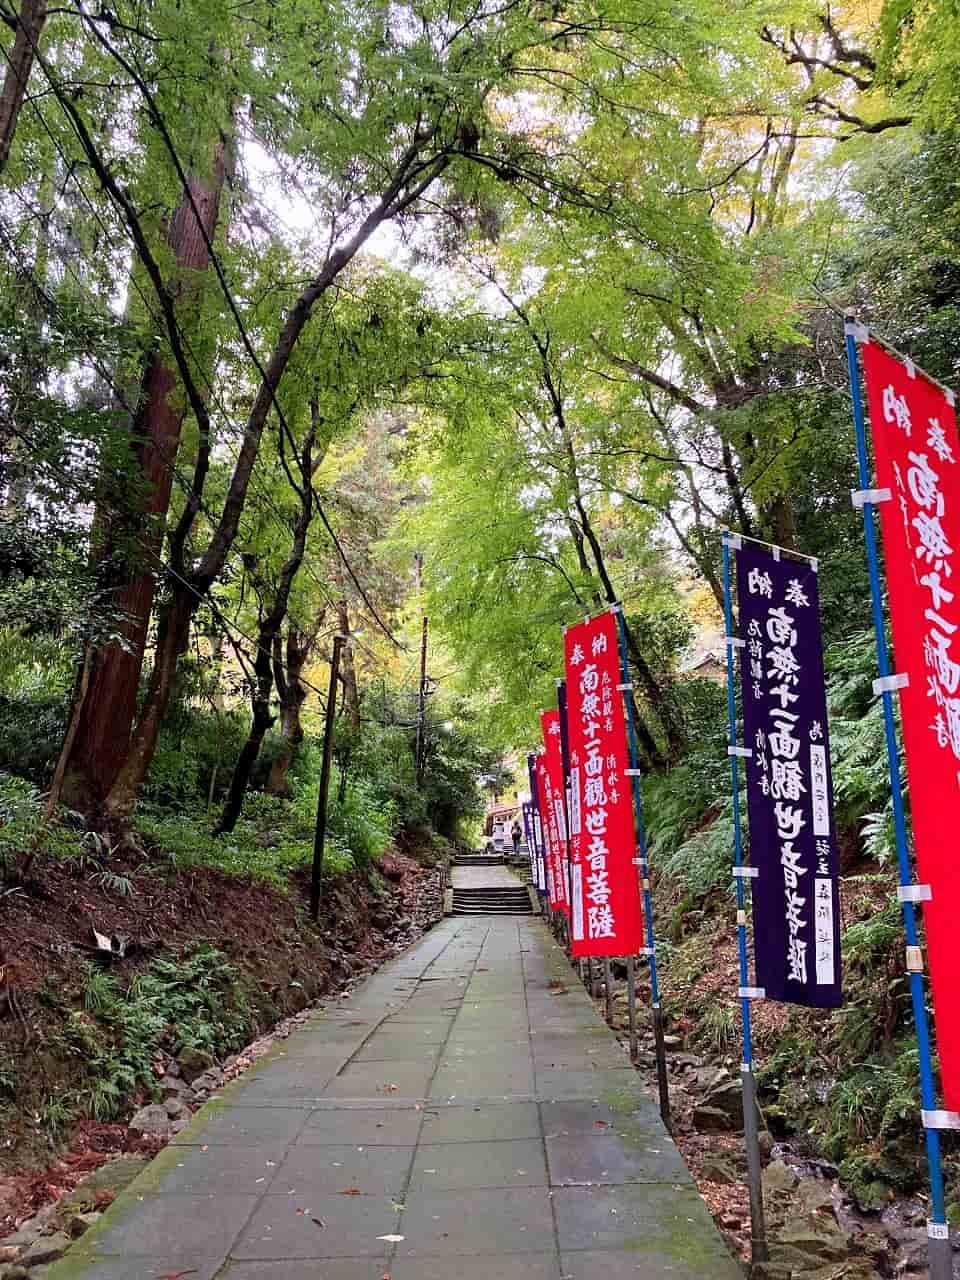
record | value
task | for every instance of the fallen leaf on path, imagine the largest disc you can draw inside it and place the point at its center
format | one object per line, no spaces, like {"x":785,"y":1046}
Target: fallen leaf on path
{"x":350,"y":1191}
{"x":177,"y":1275}
{"x":391,"y":1239}
{"x":318,"y":1222}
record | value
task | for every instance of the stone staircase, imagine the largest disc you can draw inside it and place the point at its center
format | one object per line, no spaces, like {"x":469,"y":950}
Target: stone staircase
{"x":478,"y":860}
{"x":492,"y":900}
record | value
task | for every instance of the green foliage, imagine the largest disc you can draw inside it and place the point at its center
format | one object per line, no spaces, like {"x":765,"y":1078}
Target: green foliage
{"x":22,"y":827}
{"x":177,"y":1003}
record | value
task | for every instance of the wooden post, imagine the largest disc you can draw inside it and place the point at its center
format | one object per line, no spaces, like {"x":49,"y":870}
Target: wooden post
{"x":421,"y":707}
{"x":320,"y":832}
{"x":632,"y":1009}
{"x":608,"y":989}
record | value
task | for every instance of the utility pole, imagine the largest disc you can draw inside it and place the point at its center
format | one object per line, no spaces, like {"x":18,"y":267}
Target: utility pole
{"x":320,"y":833}
{"x":422,"y":706}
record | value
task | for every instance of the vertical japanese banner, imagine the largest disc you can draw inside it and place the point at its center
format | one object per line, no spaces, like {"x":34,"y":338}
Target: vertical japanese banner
{"x":796,"y":904}
{"x":526,"y":810}
{"x":916,"y":450}
{"x":556,"y":823}
{"x":607,"y":911}
{"x":535,"y":835}
{"x":543,"y":789}
{"x":565,"y":763}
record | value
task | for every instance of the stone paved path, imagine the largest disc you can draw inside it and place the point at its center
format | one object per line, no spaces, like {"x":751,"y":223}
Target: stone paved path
{"x":464,"y":1116}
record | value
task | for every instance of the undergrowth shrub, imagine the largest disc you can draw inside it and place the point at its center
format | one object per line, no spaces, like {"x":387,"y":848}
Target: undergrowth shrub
{"x":183,"y":1003}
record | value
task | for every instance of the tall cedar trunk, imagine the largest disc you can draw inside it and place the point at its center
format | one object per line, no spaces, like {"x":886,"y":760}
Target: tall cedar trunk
{"x":287,"y":670}
{"x":103,"y":737}
{"x":173,"y":633}
{"x":19,"y":62}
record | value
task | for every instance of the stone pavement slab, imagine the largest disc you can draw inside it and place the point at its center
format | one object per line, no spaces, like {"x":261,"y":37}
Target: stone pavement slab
{"x":463,"y":1115}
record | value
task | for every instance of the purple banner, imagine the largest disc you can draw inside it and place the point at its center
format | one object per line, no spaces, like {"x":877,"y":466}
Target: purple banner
{"x":565,"y":758}
{"x":796,"y":905}
{"x":527,"y":810}
{"x":536,"y":846}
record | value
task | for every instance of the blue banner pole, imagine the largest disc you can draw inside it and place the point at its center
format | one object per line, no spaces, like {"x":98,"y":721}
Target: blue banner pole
{"x":758,"y":1230}
{"x":938,"y":1235}
{"x":641,"y":859}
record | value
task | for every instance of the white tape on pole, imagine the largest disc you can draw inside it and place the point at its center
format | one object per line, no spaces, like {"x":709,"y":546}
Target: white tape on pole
{"x":860,"y":497}
{"x":940,"y":1119}
{"x":914,"y":893}
{"x":887,"y":684}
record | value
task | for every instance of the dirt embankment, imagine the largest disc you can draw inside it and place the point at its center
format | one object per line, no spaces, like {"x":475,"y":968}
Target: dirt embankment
{"x":202,"y":964}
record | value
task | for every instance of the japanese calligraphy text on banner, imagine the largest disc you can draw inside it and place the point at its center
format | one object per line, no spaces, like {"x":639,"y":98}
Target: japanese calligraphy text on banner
{"x":607,"y":911}
{"x":796,"y":906}
{"x":556,"y":823}
{"x":918,"y":459}
{"x":535,"y":835}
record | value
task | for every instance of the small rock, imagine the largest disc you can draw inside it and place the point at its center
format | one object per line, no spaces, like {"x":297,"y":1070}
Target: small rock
{"x":14,"y":1272}
{"x":711,"y":1120}
{"x":716,"y":1169}
{"x":778,"y":1177}
{"x":825,"y":1242}
{"x":9,"y":1253}
{"x":151,"y":1121}
{"x":770,"y":1271}
{"x":193,"y":1063}
{"x":175,"y":1108}
{"x":765,"y":1143}
{"x":108,"y":1179}
{"x":81,"y":1222}
{"x":673,"y":1042}
{"x":46,"y":1249}
{"x":208,"y":1081}
{"x":814,"y":1196}
{"x":728,"y":1098}
{"x":26,"y":1233}
{"x":173,"y":1087}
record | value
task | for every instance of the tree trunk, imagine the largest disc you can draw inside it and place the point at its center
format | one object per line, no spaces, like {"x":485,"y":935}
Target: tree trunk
{"x":173,"y":633}
{"x":19,"y":62}
{"x":262,"y":720}
{"x":348,"y":671}
{"x":103,"y":736}
{"x":781,"y":520}
{"x":270,"y":624}
{"x":287,"y":672}
{"x":655,"y":694}
{"x":410,"y":180}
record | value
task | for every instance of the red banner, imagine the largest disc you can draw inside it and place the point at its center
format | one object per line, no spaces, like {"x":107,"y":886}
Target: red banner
{"x":556,"y":826}
{"x":607,"y":911}
{"x":918,"y":460}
